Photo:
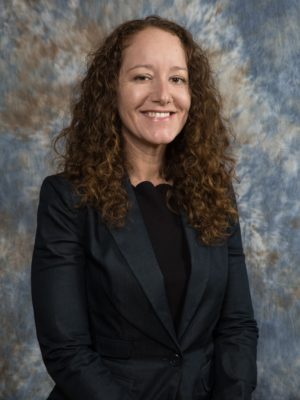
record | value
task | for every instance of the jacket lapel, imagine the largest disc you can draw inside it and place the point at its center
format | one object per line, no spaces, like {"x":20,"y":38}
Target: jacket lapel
{"x":200,"y":267}
{"x":134,"y":243}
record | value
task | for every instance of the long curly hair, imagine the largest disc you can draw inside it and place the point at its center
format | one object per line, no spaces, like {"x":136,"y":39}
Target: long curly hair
{"x":199,"y":161}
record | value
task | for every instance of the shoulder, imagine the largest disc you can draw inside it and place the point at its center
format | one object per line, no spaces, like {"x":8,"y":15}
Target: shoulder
{"x":57,"y":189}
{"x":57,"y":182}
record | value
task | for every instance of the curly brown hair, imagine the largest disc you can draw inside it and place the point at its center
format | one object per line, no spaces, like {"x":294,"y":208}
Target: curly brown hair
{"x":198,"y":161}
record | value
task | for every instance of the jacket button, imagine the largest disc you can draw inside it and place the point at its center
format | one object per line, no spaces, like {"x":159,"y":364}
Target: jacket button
{"x":175,"y":360}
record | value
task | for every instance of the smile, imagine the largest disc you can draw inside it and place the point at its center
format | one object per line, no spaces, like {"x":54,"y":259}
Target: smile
{"x":158,"y":115}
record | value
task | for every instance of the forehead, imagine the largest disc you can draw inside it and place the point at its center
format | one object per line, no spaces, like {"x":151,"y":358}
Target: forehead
{"x":154,"y":44}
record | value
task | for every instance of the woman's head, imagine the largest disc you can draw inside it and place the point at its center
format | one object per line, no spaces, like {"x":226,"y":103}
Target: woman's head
{"x":106,"y":64}
{"x":153,"y":90}
{"x":197,"y":160}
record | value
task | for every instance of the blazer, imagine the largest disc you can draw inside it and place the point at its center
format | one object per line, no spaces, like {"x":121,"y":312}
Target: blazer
{"x":102,"y":316}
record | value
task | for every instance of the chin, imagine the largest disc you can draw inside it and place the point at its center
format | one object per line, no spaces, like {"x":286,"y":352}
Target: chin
{"x":164,"y":138}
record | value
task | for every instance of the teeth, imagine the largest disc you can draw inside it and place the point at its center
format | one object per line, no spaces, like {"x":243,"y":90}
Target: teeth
{"x":158,"y":114}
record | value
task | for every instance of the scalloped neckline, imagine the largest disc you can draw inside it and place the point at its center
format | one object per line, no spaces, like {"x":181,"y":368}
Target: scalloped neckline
{"x":148,"y":183}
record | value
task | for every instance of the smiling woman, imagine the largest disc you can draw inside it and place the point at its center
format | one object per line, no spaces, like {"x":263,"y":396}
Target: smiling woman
{"x":139,"y":283}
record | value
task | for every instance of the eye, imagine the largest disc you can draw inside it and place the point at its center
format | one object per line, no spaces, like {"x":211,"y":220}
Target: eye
{"x":142,"y":78}
{"x":178,"y":80}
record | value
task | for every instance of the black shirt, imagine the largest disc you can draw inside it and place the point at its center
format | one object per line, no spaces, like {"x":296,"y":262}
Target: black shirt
{"x":169,"y":244}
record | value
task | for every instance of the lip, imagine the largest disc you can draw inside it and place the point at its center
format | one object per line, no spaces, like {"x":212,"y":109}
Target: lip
{"x":156,"y":118}
{"x":158,"y":111}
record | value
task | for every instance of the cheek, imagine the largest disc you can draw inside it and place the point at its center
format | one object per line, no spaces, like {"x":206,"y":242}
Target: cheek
{"x":124,"y":105}
{"x":130,"y":97}
{"x":124,"y":111}
{"x":127,"y":106}
{"x":186,"y":101}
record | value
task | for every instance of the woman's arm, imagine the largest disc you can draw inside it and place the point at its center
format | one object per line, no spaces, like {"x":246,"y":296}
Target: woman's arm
{"x":236,"y":333}
{"x":59,"y":299}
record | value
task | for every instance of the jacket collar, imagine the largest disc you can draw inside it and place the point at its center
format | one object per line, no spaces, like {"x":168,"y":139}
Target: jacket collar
{"x":200,"y":268}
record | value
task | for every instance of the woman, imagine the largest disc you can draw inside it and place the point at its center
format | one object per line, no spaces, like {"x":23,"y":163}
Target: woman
{"x":139,"y":284}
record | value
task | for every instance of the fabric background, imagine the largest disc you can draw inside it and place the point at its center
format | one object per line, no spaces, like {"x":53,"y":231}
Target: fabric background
{"x":255,"y":52}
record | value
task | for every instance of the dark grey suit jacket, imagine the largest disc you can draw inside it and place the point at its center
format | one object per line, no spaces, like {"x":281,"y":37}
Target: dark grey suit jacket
{"x":102,"y":316}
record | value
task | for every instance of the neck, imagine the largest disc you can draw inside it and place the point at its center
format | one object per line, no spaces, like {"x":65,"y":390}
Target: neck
{"x":145,"y":164}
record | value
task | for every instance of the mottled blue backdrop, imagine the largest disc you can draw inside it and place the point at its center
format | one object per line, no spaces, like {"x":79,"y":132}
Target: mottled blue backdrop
{"x":255,"y":52}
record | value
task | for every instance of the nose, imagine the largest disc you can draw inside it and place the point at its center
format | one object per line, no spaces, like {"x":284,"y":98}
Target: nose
{"x":161,"y":92}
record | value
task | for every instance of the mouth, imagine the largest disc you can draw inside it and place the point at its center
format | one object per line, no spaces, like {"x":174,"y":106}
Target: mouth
{"x":158,"y":115}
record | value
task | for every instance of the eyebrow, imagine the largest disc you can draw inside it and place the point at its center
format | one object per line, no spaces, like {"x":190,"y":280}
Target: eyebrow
{"x":150,"y":66}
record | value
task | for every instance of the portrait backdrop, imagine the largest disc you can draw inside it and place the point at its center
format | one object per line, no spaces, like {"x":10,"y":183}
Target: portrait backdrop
{"x":254,"y":49}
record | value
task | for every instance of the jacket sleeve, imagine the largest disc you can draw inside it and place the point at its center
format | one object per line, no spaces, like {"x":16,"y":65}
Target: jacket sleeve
{"x":236,"y":332}
{"x":59,"y":299}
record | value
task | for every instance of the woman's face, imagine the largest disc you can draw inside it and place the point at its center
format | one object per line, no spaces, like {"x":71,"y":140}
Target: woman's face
{"x":153,"y":90}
